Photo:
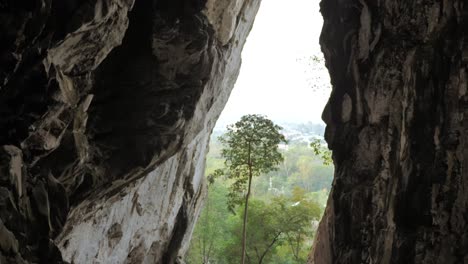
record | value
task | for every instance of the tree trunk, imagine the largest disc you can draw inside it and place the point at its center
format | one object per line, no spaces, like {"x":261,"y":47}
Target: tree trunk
{"x":268,"y":248}
{"x":244,"y":224}
{"x":205,"y":234}
{"x":396,"y":122}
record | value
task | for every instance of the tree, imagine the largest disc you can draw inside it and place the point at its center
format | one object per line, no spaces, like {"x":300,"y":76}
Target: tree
{"x":210,"y":233}
{"x":263,"y":236}
{"x":250,"y":148}
{"x":318,"y":75}
{"x":282,"y":221}
{"x":321,"y":151}
{"x":298,"y":218}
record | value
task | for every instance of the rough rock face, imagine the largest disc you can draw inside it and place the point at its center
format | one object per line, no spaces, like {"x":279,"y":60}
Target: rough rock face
{"x":397,"y":123}
{"x":106,"y":110}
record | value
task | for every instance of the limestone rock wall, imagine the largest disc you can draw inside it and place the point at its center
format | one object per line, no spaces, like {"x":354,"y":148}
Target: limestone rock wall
{"x":106,"y":110}
{"x":397,"y":124}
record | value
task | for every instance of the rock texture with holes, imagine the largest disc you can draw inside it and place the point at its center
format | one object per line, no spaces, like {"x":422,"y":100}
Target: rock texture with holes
{"x":398,"y":129}
{"x":106,"y":110}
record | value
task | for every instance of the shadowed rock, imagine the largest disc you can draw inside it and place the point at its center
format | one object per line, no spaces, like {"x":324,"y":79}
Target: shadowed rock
{"x":396,"y":122}
{"x":107,"y":107}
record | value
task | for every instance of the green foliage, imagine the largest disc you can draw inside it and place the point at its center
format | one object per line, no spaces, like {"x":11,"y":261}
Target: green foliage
{"x":284,"y":222}
{"x":321,"y":151}
{"x":299,"y":218}
{"x":300,"y":177}
{"x":252,"y":141}
{"x":301,"y":167}
{"x":318,"y":75}
{"x":209,"y":235}
{"x":250,"y":148}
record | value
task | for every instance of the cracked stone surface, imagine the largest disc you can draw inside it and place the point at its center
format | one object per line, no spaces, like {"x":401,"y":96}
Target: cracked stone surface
{"x":397,"y":124}
{"x":107,"y":107}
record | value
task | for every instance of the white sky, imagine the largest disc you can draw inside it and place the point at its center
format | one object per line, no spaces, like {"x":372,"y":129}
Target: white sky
{"x":276,"y":78}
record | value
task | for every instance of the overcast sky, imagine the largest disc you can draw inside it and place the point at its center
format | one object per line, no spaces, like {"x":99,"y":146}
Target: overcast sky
{"x":276,"y":78}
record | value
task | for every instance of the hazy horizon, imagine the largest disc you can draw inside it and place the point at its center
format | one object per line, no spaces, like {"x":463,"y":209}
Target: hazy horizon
{"x":276,"y":78}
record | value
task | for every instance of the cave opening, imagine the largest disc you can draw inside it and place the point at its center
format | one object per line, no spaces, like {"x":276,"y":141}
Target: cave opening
{"x":283,"y":77}
{"x":107,"y":108}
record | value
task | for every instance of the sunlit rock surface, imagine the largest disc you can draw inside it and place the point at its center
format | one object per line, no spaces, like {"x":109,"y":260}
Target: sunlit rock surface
{"x":106,"y":110}
{"x":397,"y":124}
